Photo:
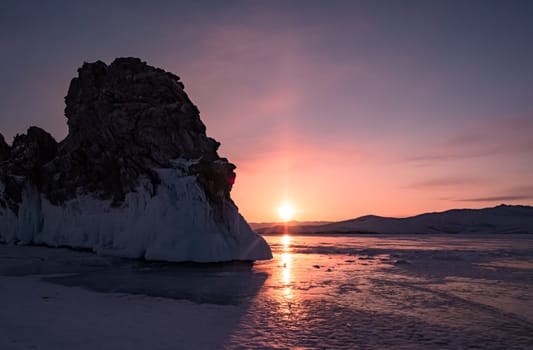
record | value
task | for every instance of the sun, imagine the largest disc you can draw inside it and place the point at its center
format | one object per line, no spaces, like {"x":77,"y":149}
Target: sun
{"x":286,"y":211}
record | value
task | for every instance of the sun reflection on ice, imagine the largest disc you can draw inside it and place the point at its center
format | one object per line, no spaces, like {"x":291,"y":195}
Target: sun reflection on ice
{"x":286,"y":271}
{"x":287,"y":293}
{"x":286,"y":242}
{"x":286,"y":260}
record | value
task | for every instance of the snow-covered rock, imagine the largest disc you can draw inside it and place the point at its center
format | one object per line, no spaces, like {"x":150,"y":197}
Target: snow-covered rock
{"x":135,"y":177}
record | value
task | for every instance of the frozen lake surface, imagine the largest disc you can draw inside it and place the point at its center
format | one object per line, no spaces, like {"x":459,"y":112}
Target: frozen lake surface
{"x":319,"y":292}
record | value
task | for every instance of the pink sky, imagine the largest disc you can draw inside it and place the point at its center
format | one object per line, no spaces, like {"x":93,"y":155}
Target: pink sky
{"x":343,"y":110}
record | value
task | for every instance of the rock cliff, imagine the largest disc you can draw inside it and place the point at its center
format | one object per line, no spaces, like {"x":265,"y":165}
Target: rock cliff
{"x":136,"y":163}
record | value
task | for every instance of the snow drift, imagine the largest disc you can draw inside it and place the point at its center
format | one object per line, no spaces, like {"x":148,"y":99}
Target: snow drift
{"x":135,"y":177}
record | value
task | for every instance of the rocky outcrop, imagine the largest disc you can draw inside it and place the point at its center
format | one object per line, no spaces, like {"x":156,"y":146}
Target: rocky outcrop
{"x":125,"y":119}
{"x":23,"y":163}
{"x":127,"y":122}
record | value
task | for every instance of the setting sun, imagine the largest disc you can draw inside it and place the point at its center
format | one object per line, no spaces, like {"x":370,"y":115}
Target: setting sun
{"x":286,"y":212}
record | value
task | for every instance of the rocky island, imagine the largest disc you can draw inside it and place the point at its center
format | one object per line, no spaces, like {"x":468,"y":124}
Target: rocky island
{"x":136,"y":176}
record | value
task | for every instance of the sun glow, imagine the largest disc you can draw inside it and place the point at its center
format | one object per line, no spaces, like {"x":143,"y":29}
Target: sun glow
{"x":286,"y":212}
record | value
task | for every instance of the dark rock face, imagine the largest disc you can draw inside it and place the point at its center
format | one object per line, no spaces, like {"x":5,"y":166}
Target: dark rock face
{"x":31,"y":151}
{"x":4,"y":149}
{"x":124,"y":120}
{"x":24,"y":162}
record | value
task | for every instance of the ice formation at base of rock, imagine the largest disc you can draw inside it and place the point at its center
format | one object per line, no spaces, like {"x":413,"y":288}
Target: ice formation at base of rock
{"x":175,"y":225}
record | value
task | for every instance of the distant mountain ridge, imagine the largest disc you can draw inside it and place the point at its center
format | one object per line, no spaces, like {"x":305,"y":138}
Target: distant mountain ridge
{"x":503,"y":219}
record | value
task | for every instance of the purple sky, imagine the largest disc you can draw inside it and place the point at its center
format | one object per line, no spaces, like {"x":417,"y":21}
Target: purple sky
{"x":342,"y":108}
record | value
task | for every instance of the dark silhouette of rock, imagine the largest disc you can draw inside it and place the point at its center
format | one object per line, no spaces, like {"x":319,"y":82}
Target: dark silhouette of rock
{"x":25,"y":160}
{"x":136,"y":175}
{"x":31,"y":151}
{"x":4,"y":149}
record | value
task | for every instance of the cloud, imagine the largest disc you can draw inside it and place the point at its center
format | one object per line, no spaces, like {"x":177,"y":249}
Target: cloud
{"x":450,"y":157}
{"x":497,"y":198}
{"x":446,"y":182}
{"x":520,"y":193}
{"x":504,"y":136}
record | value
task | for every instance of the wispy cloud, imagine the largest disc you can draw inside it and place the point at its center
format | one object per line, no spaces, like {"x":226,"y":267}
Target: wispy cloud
{"x":505,"y":136}
{"x":496,"y":198}
{"x":520,"y":193}
{"x":436,"y":157}
{"x":446,"y":182}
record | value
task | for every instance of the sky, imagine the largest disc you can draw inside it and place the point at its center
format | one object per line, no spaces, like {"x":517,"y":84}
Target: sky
{"x":341,"y":108}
